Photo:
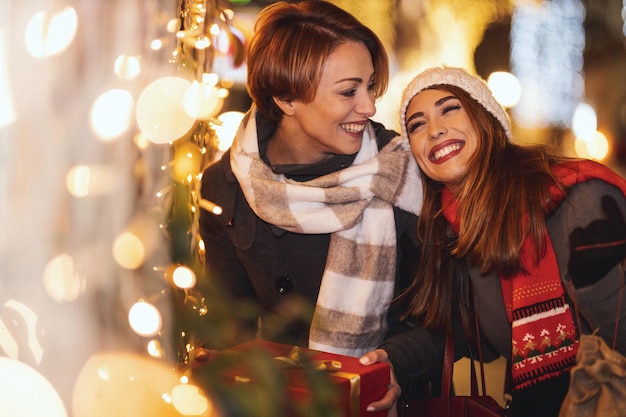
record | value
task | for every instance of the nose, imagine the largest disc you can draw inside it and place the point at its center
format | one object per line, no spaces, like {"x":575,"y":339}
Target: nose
{"x":367,"y":106}
{"x":436,"y":130}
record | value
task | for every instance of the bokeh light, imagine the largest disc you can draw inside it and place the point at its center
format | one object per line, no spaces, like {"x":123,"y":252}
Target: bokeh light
{"x":145,"y":319}
{"x":24,"y":392}
{"x":127,"y":67}
{"x":7,"y":107}
{"x":62,"y":279}
{"x":50,"y":34}
{"x":201,"y":101}
{"x":20,"y":331}
{"x":111,"y":113}
{"x":506,"y":88}
{"x":123,"y":384}
{"x":91,"y":180}
{"x":129,"y":250}
{"x":189,"y":400}
{"x":155,"y":349}
{"x":187,"y":163}
{"x":160,"y":113}
{"x":183,"y":277}
{"x":584,"y":122}
{"x":228,"y":129}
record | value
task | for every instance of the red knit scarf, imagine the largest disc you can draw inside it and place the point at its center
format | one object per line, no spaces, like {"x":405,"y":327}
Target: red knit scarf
{"x":544,"y":337}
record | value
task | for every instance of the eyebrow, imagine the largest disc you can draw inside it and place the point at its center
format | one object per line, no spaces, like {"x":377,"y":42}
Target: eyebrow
{"x":437,"y":104}
{"x":354,"y":79}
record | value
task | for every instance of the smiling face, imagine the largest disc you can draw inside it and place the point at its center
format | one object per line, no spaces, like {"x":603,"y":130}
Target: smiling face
{"x":442,"y":136}
{"x":334,"y":121}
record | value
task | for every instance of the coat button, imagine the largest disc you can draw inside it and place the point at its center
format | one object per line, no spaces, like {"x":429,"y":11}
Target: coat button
{"x":284,"y":285}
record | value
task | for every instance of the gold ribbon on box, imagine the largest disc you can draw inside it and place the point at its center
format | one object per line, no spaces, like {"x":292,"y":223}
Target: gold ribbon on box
{"x":294,"y":360}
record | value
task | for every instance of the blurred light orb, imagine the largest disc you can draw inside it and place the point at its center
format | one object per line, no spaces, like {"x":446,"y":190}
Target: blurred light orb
{"x":187,"y":163}
{"x":21,"y":331}
{"x":156,"y":44}
{"x":189,"y":400}
{"x":7,"y":107}
{"x":111,"y":113}
{"x":128,"y":251}
{"x":123,"y":384}
{"x":24,"y":392}
{"x":598,"y":147}
{"x":127,"y":67}
{"x":173,"y":25}
{"x":84,"y":180}
{"x":584,"y":122}
{"x":227,"y":131}
{"x":201,"y":101}
{"x":155,"y":349}
{"x":78,"y":180}
{"x":160,"y":113}
{"x":184,"y":277}
{"x":506,"y":88}
{"x":62,"y":280}
{"x":50,"y":34}
{"x":145,"y":319}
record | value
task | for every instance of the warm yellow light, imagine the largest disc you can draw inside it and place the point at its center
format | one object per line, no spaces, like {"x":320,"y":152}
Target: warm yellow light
{"x":202,"y":43}
{"x":27,"y":338}
{"x":506,"y":88}
{"x":584,"y":122}
{"x":187,"y":163}
{"x":135,"y":385}
{"x":201,"y":101}
{"x":48,"y":35}
{"x":91,"y":180}
{"x":598,"y":147}
{"x":127,"y":67}
{"x":78,"y":180}
{"x":128,"y":251}
{"x":111,"y":114}
{"x":173,"y":25}
{"x":160,"y":113}
{"x":155,"y":349}
{"x":62,"y":280}
{"x":27,"y":393}
{"x":189,"y":400}
{"x":184,"y":277}
{"x":156,"y":44}
{"x":7,"y":108}
{"x":227,"y":131}
{"x":145,"y":319}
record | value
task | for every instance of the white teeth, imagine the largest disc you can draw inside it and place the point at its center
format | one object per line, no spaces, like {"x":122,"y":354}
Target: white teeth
{"x":353,"y":127}
{"x":445,"y":151}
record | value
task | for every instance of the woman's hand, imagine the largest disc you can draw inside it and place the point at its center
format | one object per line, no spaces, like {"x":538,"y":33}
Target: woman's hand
{"x":388,"y":402}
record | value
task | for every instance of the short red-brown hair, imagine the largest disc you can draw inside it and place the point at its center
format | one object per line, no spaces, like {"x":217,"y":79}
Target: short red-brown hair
{"x":289,"y":48}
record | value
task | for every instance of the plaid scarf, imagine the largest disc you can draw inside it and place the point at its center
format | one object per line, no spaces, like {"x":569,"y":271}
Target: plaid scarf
{"x":544,"y":337}
{"x":354,"y":205}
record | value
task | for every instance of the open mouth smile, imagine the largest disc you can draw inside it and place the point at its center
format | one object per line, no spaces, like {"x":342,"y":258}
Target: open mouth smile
{"x":353,"y":127}
{"x":440,"y":153}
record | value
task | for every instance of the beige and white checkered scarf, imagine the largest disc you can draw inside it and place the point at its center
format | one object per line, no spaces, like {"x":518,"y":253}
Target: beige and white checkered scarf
{"x":355,"y":206}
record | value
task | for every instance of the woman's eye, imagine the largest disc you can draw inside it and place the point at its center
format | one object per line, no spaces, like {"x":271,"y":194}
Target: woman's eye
{"x":349,"y":93}
{"x":413,"y":126}
{"x":371,"y":86}
{"x":450,"y":107}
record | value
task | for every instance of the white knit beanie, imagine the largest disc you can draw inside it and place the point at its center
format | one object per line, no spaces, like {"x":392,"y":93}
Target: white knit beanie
{"x":472,"y":84}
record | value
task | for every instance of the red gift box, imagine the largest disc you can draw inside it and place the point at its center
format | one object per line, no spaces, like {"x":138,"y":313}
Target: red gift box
{"x":356,"y":385}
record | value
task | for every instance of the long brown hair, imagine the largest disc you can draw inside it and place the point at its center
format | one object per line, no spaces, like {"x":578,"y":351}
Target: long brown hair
{"x":500,"y":202}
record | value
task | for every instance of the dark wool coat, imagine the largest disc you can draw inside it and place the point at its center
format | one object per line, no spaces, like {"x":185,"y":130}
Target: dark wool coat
{"x":417,"y":356}
{"x":276,"y":271}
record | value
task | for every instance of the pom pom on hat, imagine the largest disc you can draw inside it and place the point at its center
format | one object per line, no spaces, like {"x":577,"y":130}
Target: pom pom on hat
{"x":472,"y":84}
